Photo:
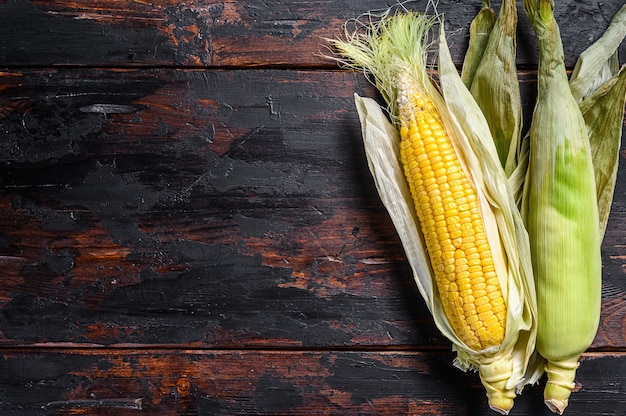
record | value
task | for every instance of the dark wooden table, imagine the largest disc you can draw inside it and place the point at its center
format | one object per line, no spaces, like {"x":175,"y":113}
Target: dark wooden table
{"x":188,"y":225}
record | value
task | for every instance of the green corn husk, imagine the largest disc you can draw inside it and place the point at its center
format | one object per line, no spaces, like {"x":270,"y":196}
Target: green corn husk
{"x":604,"y":114}
{"x":495,"y":86}
{"x":561,"y":212}
{"x":501,"y":368}
{"x":518,"y":176}
{"x":599,"y":63}
{"x":479,"y":32}
{"x":599,"y":86}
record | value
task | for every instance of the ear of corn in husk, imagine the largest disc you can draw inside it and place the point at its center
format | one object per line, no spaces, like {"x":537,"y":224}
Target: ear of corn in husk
{"x":436,"y":167}
{"x":495,"y":85}
{"x":561,"y":212}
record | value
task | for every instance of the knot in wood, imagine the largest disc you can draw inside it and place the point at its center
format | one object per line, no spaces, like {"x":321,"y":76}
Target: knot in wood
{"x":183,"y":386}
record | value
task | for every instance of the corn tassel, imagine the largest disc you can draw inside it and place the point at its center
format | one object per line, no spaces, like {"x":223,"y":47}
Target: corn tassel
{"x":458,"y":223}
{"x":561,"y":212}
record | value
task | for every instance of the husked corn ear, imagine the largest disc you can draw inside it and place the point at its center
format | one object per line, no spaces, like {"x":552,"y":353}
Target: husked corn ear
{"x":437,"y":172}
{"x":454,"y":231}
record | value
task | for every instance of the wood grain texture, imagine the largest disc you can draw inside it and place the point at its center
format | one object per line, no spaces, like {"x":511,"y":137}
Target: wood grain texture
{"x":188,"y":225}
{"x":122,"y":382}
{"x":238,"y":202}
{"x":234,"y":33}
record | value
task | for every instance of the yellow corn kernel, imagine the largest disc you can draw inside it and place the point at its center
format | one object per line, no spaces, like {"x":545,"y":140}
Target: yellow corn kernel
{"x":449,"y":214}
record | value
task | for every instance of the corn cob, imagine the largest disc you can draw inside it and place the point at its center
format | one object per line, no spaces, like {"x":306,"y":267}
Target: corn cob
{"x":449,"y":213}
{"x":561,"y":212}
{"x":472,"y":277}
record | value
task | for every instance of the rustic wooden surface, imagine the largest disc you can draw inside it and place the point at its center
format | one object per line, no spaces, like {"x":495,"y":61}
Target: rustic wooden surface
{"x":188,"y":225}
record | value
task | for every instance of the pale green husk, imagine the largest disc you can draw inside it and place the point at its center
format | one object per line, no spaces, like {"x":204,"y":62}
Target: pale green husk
{"x":599,"y":63}
{"x":479,"y":32}
{"x":495,"y":86}
{"x":561,"y":212}
{"x":396,"y":45}
{"x":599,"y":86}
{"x":604,"y":114}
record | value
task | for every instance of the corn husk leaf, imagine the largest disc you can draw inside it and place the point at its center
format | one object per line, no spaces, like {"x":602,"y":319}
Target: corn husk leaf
{"x":604,"y":114}
{"x":479,"y":32}
{"x":382,"y":149}
{"x":599,"y":86}
{"x":381,"y":142}
{"x":599,"y":63}
{"x":495,"y":86}
{"x":518,"y":176}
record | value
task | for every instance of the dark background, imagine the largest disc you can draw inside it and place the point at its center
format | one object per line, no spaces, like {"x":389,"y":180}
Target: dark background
{"x":188,"y":225}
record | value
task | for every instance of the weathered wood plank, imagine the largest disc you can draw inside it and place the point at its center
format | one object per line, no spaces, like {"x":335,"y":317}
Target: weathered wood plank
{"x":230,"y":201}
{"x":125,"y":382}
{"x":233,"y":33}
{"x":209,"y":242}
{"x":208,"y":208}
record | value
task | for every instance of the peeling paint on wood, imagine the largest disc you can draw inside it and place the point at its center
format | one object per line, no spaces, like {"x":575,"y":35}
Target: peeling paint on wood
{"x":188,"y":225}
{"x":273,"y":383}
{"x":266,"y":227}
{"x":231,"y":33}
